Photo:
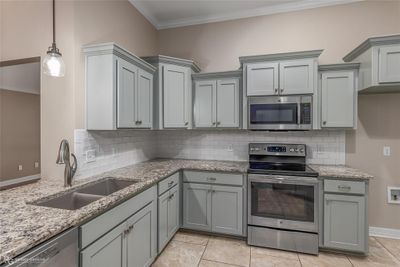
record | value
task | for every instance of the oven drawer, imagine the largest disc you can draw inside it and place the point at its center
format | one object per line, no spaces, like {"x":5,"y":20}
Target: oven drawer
{"x":344,"y":187}
{"x":213,"y":178}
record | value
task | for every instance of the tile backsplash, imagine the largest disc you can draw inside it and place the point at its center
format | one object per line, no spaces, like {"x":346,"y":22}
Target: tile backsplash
{"x":323,"y":147}
{"x":115,"y":149}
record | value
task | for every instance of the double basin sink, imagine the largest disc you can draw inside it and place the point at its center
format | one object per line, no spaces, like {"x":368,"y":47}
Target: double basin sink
{"x":86,"y":194}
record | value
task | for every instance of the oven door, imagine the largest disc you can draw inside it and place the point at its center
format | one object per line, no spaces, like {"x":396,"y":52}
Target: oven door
{"x":279,"y":113}
{"x":283,"y":202}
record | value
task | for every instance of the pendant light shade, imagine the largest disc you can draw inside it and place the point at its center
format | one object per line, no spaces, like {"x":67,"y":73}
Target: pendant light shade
{"x":53,"y":64}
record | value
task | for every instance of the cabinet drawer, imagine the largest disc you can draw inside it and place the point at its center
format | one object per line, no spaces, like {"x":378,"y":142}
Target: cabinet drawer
{"x":102,"y":224}
{"x":213,"y":178}
{"x":168,"y":183}
{"x":344,"y":187}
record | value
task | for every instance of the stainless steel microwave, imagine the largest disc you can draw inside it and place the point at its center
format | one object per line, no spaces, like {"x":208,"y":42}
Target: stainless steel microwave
{"x":280,"y":112}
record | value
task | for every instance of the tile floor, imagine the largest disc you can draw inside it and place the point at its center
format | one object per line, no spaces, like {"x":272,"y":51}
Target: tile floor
{"x":190,"y":249}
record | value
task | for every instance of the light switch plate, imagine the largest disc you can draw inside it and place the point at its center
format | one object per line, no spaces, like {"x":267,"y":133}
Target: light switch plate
{"x":386,"y":151}
{"x":36,"y":165}
{"x":20,"y":167}
{"x":90,"y":155}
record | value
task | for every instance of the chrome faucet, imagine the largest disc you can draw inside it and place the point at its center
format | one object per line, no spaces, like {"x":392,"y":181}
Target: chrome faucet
{"x":63,"y":158}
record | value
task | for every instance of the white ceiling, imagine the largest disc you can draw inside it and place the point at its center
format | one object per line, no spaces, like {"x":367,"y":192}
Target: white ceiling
{"x":165,"y":14}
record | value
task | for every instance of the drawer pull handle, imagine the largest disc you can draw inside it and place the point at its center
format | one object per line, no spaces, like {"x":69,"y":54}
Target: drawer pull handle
{"x":171,"y":196}
{"x":211,"y":179}
{"x":344,"y":188}
{"x":170,"y":183}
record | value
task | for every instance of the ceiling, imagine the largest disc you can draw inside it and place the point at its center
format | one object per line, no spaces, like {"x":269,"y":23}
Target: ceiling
{"x":165,"y":14}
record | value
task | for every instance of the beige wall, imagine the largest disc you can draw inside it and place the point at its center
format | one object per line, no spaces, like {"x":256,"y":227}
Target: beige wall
{"x":378,"y":126}
{"x":25,"y":31}
{"x":337,"y":30}
{"x":19,"y":134}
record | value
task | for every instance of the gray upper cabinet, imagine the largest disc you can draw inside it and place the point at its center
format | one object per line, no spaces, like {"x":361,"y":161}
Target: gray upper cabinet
{"x":197,"y":206}
{"x":297,"y":77}
{"x":338,"y":95}
{"x":380,"y":63}
{"x":119,"y":88}
{"x":172,"y":92}
{"x":227,"y":209}
{"x":280,"y":74}
{"x":262,"y":79}
{"x":216,"y":99}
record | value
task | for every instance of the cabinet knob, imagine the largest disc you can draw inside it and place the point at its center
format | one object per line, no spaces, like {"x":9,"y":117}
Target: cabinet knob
{"x":218,"y":122}
{"x":281,"y":90}
{"x":170,"y":183}
{"x":324,"y":122}
{"x":276,"y":90}
{"x":214,"y":123}
{"x":186,"y":123}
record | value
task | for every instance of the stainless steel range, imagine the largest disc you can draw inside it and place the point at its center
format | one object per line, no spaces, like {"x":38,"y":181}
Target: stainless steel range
{"x":282,"y":198}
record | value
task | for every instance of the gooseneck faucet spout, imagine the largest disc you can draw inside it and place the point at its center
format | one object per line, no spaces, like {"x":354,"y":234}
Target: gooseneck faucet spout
{"x":63,"y":158}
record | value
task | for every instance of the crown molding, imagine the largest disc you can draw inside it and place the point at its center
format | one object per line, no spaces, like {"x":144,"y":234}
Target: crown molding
{"x":339,"y":66}
{"x":172,"y":60}
{"x":218,"y":75}
{"x":281,"y":56}
{"x":282,"y":8}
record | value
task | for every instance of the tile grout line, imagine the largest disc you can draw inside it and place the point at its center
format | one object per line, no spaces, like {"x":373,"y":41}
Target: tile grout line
{"x":204,"y":251}
{"x":380,"y":243}
{"x":298,"y":257}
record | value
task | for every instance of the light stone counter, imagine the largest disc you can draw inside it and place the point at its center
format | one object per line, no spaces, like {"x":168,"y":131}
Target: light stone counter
{"x":340,"y":172}
{"x":22,"y":225}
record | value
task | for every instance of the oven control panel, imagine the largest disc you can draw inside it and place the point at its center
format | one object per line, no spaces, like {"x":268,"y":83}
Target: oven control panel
{"x":277,"y":149}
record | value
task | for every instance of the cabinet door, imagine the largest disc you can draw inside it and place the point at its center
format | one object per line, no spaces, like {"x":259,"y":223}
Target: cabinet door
{"x":389,"y":64}
{"x":296,"y":77}
{"x":173,"y":211}
{"x":176,"y":83}
{"x":262,"y":79}
{"x":227,"y":210}
{"x":144,"y":100}
{"x":163,"y":203}
{"x":338,"y":97}
{"x":344,"y":222}
{"x":228,"y":103}
{"x":197,"y":206}
{"x":141,"y":239}
{"x":109,"y":250}
{"x":126,"y":87}
{"x":204,"y":104}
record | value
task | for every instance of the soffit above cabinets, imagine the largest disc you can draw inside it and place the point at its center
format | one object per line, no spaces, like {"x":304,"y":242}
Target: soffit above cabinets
{"x":165,"y":14}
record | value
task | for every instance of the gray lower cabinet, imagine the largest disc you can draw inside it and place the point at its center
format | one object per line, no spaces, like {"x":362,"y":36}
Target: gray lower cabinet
{"x":345,"y":216}
{"x":131,"y":243}
{"x":227,"y":209}
{"x":168,"y":216}
{"x":197,"y":206}
{"x":213,"y":208}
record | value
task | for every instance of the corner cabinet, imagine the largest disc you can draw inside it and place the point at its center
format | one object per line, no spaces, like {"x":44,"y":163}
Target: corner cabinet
{"x":214,"y":202}
{"x":172,"y":91}
{"x":123,"y":236}
{"x":283,"y":74}
{"x":345,"y":224}
{"x":380,"y":64}
{"x":119,"y":88}
{"x":216,"y":99}
{"x":338,"y":92}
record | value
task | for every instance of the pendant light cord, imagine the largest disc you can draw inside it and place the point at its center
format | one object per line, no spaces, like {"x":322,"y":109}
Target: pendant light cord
{"x":54,"y":22}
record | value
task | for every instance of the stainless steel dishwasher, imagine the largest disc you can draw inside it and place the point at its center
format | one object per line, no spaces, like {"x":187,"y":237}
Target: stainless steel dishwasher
{"x":60,"y":251}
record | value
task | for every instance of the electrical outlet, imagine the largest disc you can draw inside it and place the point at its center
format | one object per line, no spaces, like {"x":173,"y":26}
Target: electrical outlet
{"x":20,"y":167}
{"x":90,"y":155}
{"x":386,"y":151}
{"x":36,"y":165}
{"x":230,"y":148}
{"x":393,"y":195}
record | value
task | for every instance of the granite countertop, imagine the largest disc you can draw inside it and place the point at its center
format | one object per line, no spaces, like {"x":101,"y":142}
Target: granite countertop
{"x":22,"y":225}
{"x":341,"y":172}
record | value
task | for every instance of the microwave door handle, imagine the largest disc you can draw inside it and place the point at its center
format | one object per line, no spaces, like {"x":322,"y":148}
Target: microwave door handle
{"x":298,"y":113}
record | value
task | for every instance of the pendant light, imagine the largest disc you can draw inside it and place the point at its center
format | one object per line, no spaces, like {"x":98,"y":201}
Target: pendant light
{"x":53,"y":64}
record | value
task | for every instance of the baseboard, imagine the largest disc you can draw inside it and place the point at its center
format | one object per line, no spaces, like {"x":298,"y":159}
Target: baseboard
{"x":11,"y":182}
{"x":384,"y":232}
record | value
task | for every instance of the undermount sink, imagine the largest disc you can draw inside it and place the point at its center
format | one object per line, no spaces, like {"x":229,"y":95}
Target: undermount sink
{"x":85,"y":195}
